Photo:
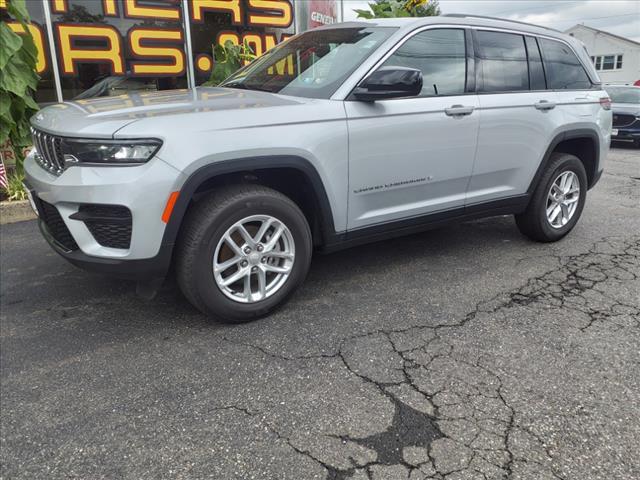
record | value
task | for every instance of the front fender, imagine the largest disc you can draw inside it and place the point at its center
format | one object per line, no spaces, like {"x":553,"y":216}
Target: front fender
{"x":211,"y":170}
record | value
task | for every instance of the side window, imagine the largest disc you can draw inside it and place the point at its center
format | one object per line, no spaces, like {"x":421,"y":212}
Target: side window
{"x":440,"y":55}
{"x":563,"y":69}
{"x":502,"y":62}
{"x":536,"y":72}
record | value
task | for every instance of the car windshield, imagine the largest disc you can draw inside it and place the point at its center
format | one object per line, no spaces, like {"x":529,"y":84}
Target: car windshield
{"x":624,"y":94}
{"x":313,"y":64}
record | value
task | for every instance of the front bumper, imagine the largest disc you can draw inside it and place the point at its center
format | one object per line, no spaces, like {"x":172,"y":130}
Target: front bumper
{"x":627,"y":134}
{"x":143,"y":190}
{"x":140,"y":270}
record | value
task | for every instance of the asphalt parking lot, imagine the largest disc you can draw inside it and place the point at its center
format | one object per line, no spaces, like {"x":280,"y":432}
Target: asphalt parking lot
{"x":463,"y":353}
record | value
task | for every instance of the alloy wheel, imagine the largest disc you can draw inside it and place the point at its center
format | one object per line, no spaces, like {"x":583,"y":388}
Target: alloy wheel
{"x":254,"y":258}
{"x":562,"y":199}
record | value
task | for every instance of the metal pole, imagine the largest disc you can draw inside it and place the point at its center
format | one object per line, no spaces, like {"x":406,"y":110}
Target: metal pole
{"x":52,"y":50}
{"x":191,"y":77}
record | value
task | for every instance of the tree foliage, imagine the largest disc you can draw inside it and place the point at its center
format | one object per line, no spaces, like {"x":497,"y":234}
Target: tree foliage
{"x":400,"y":8}
{"x":18,"y":79}
{"x":228,"y":58}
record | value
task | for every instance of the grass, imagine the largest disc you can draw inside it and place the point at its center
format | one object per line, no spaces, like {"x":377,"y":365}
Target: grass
{"x":15,"y":190}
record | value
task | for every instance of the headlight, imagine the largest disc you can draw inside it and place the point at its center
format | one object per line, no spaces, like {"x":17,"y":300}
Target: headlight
{"x":119,"y":152}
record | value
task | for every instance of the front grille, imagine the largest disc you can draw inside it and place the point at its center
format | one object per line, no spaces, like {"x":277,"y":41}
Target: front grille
{"x":48,"y":151}
{"x":56,"y":226}
{"x":110,"y":225}
{"x":623,"y":120}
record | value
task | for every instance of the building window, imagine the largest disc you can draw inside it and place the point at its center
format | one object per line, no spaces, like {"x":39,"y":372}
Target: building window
{"x":607,"y":62}
{"x":111,"y":47}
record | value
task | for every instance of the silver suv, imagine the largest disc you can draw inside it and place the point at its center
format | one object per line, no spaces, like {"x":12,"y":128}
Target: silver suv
{"x":342,"y":135}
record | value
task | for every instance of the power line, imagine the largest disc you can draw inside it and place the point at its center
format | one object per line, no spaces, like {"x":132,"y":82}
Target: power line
{"x":592,"y":18}
{"x":538,"y":7}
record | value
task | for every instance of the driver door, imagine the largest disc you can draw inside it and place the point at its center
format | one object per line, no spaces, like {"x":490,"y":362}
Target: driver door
{"x":410,"y":157}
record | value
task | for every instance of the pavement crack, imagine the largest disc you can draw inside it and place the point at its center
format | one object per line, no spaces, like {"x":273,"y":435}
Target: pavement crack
{"x":446,"y":402}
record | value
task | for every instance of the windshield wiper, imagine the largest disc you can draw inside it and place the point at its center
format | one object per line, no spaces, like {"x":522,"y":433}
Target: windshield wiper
{"x":238,"y":85}
{"x":242,"y":86}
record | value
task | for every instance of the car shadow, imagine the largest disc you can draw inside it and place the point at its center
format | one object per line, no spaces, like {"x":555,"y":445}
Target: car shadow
{"x":358,"y":264}
{"x":63,"y":291}
{"x":71,"y":312}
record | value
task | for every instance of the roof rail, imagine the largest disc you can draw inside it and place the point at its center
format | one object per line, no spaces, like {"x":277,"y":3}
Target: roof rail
{"x":465,"y":15}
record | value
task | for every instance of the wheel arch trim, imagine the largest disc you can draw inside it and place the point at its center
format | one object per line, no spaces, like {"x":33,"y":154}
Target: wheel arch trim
{"x":225,"y":167}
{"x":586,"y":133}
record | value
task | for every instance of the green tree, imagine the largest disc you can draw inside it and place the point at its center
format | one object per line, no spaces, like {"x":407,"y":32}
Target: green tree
{"x":400,"y":8}
{"x":18,"y":80}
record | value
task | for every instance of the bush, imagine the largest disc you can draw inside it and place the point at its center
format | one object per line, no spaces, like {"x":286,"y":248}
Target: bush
{"x":18,"y":81}
{"x":15,"y":190}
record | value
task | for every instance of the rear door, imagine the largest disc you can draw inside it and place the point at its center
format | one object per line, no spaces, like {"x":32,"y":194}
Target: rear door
{"x":519,"y":115}
{"x":578,"y":101}
{"x":413,"y":156}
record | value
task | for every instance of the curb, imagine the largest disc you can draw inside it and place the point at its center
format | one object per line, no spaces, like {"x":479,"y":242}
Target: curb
{"x":18,"y":211}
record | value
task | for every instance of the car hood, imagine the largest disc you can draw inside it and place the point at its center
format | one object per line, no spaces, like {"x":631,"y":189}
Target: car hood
{"x":626,"y":108}
{"x":102,"y":117}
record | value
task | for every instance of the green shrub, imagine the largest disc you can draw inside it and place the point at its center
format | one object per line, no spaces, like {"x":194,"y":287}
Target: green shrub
{"x":18,"y":80}
{"x":15,"y":190}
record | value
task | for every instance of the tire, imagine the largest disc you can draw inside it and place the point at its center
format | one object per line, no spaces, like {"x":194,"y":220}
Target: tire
{"x":200,"y":243}
{"x":533,"y":222}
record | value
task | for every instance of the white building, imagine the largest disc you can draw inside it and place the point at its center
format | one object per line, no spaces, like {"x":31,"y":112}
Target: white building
{"x":617,"y":59}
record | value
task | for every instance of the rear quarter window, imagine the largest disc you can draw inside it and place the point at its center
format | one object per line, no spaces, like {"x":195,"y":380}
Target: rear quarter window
{"x":562,"y":67}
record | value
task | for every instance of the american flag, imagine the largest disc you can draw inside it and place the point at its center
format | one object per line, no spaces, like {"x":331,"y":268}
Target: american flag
{"x":3,"y":174}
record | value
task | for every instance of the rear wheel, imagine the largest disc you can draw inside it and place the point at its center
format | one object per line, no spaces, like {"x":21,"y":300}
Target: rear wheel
{"x":242,"y":251}
{"x":557,"y":202}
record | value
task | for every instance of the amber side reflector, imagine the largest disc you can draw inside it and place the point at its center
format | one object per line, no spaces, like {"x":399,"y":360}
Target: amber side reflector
{"x":171,"y":202}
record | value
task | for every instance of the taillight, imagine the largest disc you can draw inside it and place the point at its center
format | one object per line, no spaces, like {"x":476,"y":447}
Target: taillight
{"x":605,"y":102}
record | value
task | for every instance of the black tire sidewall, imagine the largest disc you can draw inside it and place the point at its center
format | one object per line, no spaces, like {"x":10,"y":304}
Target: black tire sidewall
{"x":208,"y":292}
{"x":565,"y":164}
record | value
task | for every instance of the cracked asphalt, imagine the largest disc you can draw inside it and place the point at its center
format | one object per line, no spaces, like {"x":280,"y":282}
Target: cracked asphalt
{"x":467,"y":352}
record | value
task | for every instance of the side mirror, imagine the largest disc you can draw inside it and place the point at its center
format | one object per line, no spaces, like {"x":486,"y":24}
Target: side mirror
{"x":389,"y":82}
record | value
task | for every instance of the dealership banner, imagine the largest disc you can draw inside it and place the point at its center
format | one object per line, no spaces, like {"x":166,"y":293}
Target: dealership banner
{"x":315,"y":13}
{"x":92,"y":48}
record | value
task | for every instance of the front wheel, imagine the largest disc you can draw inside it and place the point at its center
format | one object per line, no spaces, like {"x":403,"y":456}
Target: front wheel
{"x":242,"y":251}
{"x":557,"y":202}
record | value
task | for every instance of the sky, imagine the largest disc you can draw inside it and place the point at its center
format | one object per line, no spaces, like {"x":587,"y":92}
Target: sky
{"x":621,"y":17}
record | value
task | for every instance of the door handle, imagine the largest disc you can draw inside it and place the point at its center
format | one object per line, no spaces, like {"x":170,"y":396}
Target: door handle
{"x":545,"y":105}
{"x":458,"y":110}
